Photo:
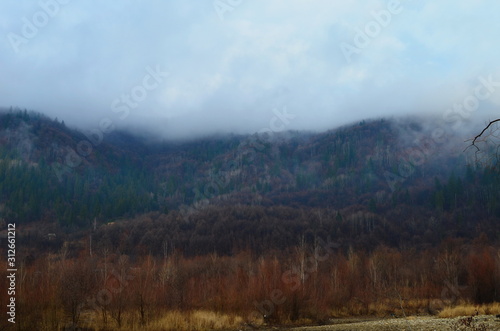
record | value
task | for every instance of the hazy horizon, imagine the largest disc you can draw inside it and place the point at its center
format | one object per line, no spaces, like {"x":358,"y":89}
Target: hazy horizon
{"x":188,"y":70}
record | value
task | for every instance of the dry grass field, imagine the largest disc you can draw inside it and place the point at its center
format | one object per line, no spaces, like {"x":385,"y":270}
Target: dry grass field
{"x":469,"y":310}
{"x":461,"y":317}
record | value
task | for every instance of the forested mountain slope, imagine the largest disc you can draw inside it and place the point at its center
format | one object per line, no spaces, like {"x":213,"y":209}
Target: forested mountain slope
{"x":390,"y":181}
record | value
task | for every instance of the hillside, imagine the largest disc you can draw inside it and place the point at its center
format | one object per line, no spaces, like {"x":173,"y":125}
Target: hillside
{"x":379,"y":181}
{"x":380,"y":218}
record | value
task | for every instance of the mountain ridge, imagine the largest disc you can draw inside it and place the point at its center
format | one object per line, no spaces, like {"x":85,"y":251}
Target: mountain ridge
{"x":370,"y":173}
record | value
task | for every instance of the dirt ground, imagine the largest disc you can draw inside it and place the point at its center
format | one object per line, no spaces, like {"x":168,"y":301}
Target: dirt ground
{"x":421,"y":323}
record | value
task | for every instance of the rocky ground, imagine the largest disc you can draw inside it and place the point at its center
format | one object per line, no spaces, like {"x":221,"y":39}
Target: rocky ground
{"x":427,"y":323}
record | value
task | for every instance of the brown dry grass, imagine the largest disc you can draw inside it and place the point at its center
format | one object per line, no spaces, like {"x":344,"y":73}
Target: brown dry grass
{"x":196,"y":320}
{"x":172,"y":320}
{"x":382,"y":308}
{"x":469,"y":310}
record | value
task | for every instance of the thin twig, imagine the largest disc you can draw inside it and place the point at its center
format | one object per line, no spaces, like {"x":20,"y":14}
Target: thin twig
{"x":479,"y":135}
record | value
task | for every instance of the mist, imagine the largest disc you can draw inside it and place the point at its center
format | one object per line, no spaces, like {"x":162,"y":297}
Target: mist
{"x":182,"y":70}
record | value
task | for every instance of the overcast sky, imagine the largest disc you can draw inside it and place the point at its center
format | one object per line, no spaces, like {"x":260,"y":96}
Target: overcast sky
{"x":196,"y":67}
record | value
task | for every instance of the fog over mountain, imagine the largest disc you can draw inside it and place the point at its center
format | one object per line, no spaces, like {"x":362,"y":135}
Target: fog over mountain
{"x":187,"y":69}
{"x":250,"y":164}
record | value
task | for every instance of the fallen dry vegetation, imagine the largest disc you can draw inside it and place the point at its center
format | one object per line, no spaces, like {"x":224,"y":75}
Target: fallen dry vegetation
{"x":470,"y":310}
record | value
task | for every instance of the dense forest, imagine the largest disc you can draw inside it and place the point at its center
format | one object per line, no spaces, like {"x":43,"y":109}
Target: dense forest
{"x":353,"y":182}
{"x":400,"y":212}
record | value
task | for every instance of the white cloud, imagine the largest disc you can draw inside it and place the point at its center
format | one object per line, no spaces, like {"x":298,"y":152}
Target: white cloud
{"x":229,"y":75}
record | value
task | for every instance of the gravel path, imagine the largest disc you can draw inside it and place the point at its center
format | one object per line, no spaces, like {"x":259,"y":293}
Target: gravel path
{"x":406,"y":324}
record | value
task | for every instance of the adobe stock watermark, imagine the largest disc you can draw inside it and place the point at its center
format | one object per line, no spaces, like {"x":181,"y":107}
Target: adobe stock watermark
{"x":372,"y":29}
{"x":451,"y":294}
{"x":31,"y":26}
{"x":138,"y":93}
{"x":222,"y":7}
{"x":417,"y":155}
{"x":294,"y":278}
{"x":105,"y":296}
{"x":247,"y":151}
{"x":413,"y":157}
{"x":121,"y":106}
{"x":462,"y":110}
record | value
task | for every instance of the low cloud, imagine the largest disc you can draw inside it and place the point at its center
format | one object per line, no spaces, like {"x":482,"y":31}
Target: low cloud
{"x":229,"y":67}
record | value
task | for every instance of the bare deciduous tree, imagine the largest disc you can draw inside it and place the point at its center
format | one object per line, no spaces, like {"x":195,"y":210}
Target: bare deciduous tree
{"x":77,"y":283}
{"x":486,"y":145}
